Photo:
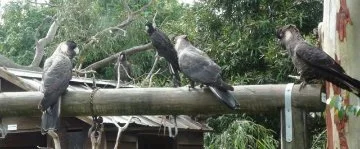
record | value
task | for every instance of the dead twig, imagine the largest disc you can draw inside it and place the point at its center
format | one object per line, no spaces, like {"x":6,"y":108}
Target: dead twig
{"x":150,"y":80}
{"x":120,"y":129}
{"x":153,"y":20}
{"x":55,"y":138}
{"x":294,"y":77}
{"x":113,"y":57}
{"x":130,"y":18}
{"x":84,"y":72}
{"x":95,"y":137}
{"x":157,"y":57}
{"x":119,"y":74}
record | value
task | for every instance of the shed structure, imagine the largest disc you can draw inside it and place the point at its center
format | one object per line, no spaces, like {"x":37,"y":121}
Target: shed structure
{"x":144,"y":131}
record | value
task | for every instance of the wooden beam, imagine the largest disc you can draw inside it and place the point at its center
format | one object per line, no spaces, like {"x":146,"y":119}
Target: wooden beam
{"x":157,"y":101}
{"x":15,"y":80}
{"x":299,"y":130}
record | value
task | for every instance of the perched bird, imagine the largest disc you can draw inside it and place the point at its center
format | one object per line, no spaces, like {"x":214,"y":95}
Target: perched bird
{"x":123,"y":68}
{"x":313,"y":63}
{"x":198,"y":67}
{"x":165,"y":49}
{"x":55,"y":79}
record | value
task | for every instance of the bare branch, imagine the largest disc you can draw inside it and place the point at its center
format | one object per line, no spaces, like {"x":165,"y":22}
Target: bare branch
{"x":55,"y":138}
{"x":120,"y":129}
{"x":142,"y":8}
{"x":118,"y":75}
{"x":151,"y":74}
{"x":121,"y":66}
{"x":127,"y":73}
{"x":131,"y":17}
{"x":96,"y":138}
{"x":153,"y":20}
{"x":116,"y":28}
{"x":46,"y":4}
{"x":150,"y":80}
{"x":40,"y":44}
{"x":157,"y":57}
{"x":93,"y":38}
{"x":83,"y":72}
{"x":126,"y":5}
{"x":111,"y":58}
{"x":132,"y":14}
{"x":294,"y":77}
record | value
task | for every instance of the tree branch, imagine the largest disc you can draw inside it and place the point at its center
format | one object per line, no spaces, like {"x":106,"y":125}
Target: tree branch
{"x":132,"y":14}
{"x":153,"y":21}
{"x":294,"y":77}
{"x":47,"y":4}
{"x":55,"y":138}
{"x":96,"y":141}
{"x":120,"y":129}
{"x":121,"y":66}
{"x":111,"y":58}
{"x":142,"y":8}
{"x":131,"y":17}
{"x":40,"y":44}
{"x":150,"y":80}
{"x":151,"y":73}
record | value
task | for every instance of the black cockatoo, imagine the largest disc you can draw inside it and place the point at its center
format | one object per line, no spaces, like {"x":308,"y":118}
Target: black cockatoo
{"x":56,"y":76}
{"x":165,"y":49}
{"x":198,"y":67}
{"x":313,"y":63}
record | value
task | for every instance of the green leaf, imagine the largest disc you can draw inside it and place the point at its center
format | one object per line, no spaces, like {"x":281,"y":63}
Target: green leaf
{"x":341,"y":113}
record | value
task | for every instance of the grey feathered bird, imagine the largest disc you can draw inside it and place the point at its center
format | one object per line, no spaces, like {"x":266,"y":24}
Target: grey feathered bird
{"x":313,"y":63}
{"x":55,"y":79}
{"x":165,"y":49}
{"x":198,"y":67}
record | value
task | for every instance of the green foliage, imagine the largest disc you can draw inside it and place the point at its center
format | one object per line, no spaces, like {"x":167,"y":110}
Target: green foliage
{"x":319,"y":140}
{"x":80,"y":20}
{"x":239,"y":134}
{"x":342,"y":110}
{"x":18,"y":31}
{"x":238,"y":34}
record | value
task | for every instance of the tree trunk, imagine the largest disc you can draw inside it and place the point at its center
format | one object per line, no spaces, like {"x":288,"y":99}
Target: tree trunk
{"x":40,"y":44}
{"x":7,"y":63}
{"x":340,"y":29}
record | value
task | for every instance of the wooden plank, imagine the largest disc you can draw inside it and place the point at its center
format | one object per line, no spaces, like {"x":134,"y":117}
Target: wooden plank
{"x":24,"y":124}
{"x":190,"y":147}
{"x":125,"y":136}
{"x":15,"y":80}
{"x":163,"y":101}
{"x":190,"y":138}
{"x":23,"y":140}
{"x":155,"y":141}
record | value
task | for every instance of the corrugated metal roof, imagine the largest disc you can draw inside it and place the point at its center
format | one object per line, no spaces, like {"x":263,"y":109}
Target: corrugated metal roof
{"x":33,"y":78}
{"x":37,"y":75}
{"x":182,"y":121}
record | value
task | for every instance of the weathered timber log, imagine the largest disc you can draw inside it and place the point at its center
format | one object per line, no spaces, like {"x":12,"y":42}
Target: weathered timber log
{"x":157,"y":101}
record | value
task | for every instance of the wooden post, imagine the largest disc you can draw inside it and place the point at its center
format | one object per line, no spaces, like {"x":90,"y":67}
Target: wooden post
{"x":341,"y":30}
{"x":299,"y":131}
{"x":165,"y":101}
